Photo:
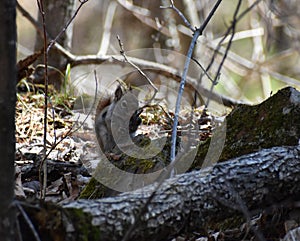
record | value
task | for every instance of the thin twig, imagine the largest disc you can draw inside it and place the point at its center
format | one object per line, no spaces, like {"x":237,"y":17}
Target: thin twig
{"x":52,"y":42}
{"x":203,"y":69}
{"x":248,"y":64}
{"x":154,"y":67}
{"x":36,"y":24}
{"x":196,"y":34}
{"x":71,"y":130}
{"x":43,"y":181}
{"x":53,"y":120}
{"x":210,"y":15}
{"x":179,"y":96}
{"x":158,"y":68}
{"x":217,"y":76}
{"x":226,"y":51}
{"x":180,"y":14}
{"x":28,"y":221}
{"x":46,"y":51}
{"x":122,"y":52}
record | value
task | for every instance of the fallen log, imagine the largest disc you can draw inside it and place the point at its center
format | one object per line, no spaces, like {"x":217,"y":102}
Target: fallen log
{"x":188,"y":202}
{"x":247,"y":129}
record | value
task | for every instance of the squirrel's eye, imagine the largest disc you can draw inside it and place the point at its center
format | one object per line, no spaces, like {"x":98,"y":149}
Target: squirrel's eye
{"x":104,"y":114}
{"x":124,"y":104}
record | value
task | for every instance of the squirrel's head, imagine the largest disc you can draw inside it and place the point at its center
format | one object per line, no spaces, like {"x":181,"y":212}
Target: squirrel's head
{"x":118,"y":115}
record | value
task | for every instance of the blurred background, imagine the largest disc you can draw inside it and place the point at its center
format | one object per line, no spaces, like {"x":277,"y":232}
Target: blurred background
{"x":264,"y":53}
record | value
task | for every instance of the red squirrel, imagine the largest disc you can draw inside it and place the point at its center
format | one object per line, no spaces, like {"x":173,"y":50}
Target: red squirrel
{"x":109,"y":108}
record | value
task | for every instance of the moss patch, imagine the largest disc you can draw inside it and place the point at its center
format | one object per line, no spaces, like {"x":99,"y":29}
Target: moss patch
{"x":274,"y":122}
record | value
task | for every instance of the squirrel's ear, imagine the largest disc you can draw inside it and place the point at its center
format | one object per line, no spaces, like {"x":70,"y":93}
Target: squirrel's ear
{"x":129,"y":87}
{"x":118,"y":93}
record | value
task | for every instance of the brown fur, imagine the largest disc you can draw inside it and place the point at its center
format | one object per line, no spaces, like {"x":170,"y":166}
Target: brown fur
{"x":103,"y":118}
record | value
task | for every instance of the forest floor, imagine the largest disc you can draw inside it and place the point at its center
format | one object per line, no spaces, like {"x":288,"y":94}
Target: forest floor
{"x":71,"y":139}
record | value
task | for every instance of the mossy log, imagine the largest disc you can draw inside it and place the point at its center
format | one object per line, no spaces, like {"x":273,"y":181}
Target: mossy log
{"x":274,"y":122}
{"x":188,"y":202}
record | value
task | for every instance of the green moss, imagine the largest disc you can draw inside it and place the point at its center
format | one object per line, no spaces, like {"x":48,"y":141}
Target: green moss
{"x":83,"y":224}
{"x":274,"y":122}
{"x":201,"y":153}
{"x":146,"y":165}
{"x":229,"y":223}
{"x":93,"y":190}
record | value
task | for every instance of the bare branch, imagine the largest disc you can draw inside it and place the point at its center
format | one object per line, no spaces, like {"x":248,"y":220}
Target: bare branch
{"x":143,"y":15}
{"x":158,"y":68}
{"x":179,"y":96}
{"x":197,"y":33}
{"x":203,"y":69}
{"x":36,"y":24}
{"x":107,"y":28}
{"x":154,"y":67}
{"x":122,"y":52}
{"x":43,"y":166}
{"x":133,"y":8}
{"x":191,"y":10}
{"x":241,"y":64}
{"x":210,"y":15}
{"x":180,"y":14}
{"x":233,"y":25}
{"x":71,"y":130}
{"x":82,"y":2}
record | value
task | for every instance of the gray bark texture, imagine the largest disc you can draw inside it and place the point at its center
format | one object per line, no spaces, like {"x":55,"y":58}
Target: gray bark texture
{"x":240,"y":187}
{"x":8,"y":40}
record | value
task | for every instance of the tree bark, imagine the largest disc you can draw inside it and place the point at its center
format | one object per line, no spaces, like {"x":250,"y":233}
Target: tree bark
{"x":8,"y":40}
{"x":189,"y":202}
